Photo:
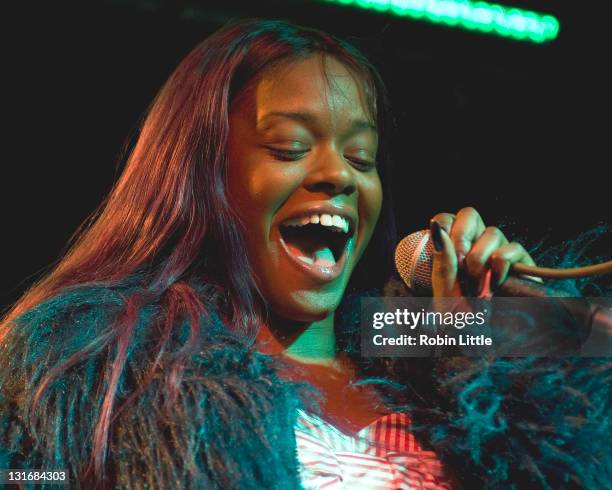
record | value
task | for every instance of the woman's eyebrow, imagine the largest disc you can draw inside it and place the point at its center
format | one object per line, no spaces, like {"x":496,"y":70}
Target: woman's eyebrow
{"x":300,"y":116}
{"x":309,"y":119}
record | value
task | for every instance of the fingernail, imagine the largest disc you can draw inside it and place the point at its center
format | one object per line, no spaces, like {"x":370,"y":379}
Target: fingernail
{"x":436,"y":235}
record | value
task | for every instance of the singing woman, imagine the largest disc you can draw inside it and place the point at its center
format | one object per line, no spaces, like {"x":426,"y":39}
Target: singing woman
{"x":199,"y":333}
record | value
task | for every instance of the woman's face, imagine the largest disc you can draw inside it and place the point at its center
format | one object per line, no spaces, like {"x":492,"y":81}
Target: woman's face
{"x":303,"y":179}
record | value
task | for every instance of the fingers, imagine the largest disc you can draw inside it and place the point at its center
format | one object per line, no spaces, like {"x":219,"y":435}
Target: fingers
{"x":503,"y":258}
{"x":444,"y":265}
{"x":445,"y":220}
{"x":477,"y":259}
{"x":465,"y":250}
{"x":467,"y":228}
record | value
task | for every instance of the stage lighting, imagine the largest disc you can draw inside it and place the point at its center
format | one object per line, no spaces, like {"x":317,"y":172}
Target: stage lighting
{"x":519,"y":24}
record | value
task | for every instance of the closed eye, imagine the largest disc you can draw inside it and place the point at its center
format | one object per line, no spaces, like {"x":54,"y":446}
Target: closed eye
{"x":360,"y":163}
{"x":286,"y":155}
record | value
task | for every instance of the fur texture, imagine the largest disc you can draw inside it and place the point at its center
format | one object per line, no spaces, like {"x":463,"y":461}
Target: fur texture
{"x":497,"y":423}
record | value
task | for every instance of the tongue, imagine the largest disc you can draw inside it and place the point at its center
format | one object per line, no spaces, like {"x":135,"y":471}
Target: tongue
{"x":325,"y":257}
{"x":322,"y":256}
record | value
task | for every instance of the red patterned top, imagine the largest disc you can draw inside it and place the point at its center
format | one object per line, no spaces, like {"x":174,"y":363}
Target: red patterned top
{"x":383,"y":455}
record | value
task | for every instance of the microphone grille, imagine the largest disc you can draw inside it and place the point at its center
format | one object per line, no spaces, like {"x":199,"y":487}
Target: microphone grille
{"x":413,"y":261}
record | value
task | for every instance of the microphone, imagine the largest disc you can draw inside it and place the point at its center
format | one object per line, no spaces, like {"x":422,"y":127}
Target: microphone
{"x":413,"y":261}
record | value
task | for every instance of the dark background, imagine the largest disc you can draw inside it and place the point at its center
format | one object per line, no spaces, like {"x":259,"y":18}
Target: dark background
{"x":518,"y":130}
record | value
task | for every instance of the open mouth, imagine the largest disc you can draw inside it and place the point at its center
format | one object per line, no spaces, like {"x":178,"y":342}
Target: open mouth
{"x":318,"y":241}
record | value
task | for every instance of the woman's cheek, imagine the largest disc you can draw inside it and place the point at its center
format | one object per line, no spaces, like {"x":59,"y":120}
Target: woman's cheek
{"x":371,"y":201}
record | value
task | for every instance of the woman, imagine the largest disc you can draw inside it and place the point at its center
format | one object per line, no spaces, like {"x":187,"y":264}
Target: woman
{"x":179,"y":341}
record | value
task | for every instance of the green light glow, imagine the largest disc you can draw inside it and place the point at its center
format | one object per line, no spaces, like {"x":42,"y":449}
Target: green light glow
{"x":488,"y":18}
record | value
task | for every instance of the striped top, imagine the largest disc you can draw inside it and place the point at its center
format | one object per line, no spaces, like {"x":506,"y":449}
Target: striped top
{"x":383,"y":455}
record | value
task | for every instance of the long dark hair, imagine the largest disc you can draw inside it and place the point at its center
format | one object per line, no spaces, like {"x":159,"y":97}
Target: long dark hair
{"x":168,"y":219}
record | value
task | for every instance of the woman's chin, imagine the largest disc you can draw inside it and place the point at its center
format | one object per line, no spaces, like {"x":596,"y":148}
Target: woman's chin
{"x":307,"y":308}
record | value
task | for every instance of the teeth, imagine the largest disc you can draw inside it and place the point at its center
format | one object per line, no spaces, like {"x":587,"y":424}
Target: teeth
{"x":326,"y":220}
{"x":338,"y":223}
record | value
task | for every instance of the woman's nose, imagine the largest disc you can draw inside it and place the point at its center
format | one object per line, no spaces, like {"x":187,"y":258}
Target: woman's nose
{"x":332,"y":174}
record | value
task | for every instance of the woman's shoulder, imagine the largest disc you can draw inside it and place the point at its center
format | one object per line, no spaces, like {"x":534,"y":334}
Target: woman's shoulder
{"x":71,"y":346}
{"x":60,"y":325}
{"x":90,"y":309}
{"x":65,"y":343}
{"x":91,"y":303}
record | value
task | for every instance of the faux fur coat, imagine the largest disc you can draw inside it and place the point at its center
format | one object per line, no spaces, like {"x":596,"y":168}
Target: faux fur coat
{"x":503,"y":423}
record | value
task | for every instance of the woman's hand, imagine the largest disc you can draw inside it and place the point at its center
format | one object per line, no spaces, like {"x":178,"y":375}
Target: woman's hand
{"x":469,"y":256}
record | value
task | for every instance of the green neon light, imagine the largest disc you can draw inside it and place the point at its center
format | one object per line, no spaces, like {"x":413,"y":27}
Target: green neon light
{"x":488,"y":18}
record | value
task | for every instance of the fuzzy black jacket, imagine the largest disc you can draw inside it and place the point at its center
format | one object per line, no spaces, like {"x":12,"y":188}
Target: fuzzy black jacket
{"x":496,"y":423}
